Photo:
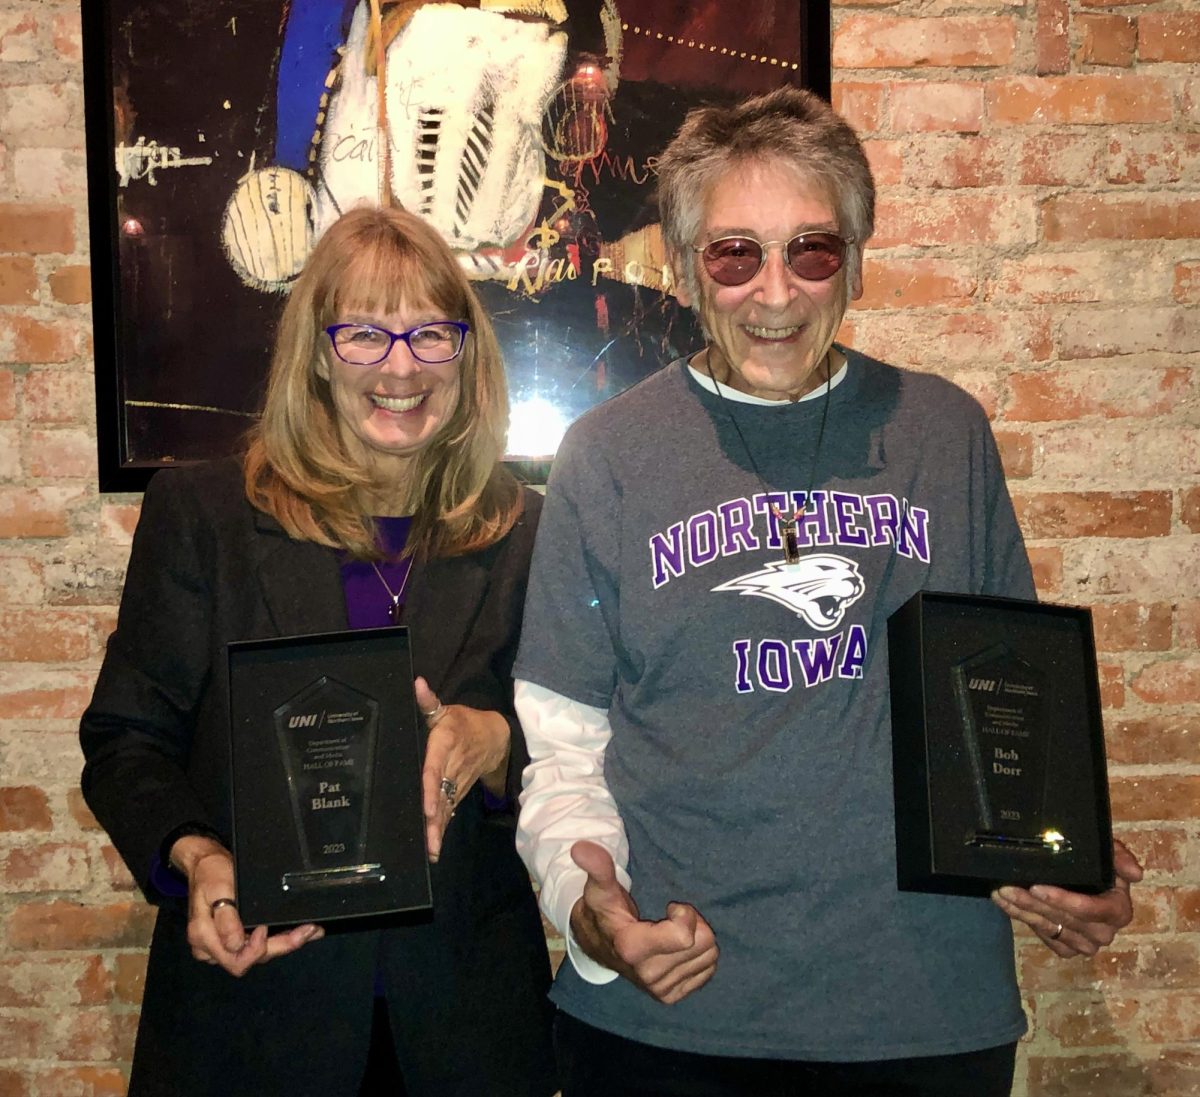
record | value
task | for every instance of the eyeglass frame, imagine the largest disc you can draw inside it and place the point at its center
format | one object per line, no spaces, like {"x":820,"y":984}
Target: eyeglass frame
{"x":401,"y":336}
{"x":763,"y":245}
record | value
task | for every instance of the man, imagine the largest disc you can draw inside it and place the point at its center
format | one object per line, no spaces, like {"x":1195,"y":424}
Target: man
{"x":704,"y":675}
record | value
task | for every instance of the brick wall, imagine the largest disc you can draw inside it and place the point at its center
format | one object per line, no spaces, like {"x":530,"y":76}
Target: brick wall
{"x":1039,"y":243}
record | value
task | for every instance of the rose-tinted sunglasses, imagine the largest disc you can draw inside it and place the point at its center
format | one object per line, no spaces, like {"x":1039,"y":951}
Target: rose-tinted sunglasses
{"x":734,"y":260}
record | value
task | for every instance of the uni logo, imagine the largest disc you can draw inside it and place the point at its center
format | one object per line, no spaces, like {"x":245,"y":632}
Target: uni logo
{"x":984,"y":685}
{"x":309,"y":721}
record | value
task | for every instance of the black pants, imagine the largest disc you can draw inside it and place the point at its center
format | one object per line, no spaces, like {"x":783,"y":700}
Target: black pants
{"x":383,"y":1078}
{"x":594,"y":1063}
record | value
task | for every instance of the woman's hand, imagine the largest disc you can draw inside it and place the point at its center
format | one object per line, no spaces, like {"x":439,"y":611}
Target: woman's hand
{"x":1072,"y":924}
{"x":465,"y":745}
{"x":215,"y":930}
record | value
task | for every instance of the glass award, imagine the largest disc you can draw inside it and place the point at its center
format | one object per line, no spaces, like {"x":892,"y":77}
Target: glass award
{"x":997,"y":746}
{"x":326,"y":748}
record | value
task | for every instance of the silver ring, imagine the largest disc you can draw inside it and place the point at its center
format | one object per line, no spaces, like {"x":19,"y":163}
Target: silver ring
{"x":431,"y":716}
{"x":217,"y":904}
{"x":449,"y":790}
{"x":1057,"y":933}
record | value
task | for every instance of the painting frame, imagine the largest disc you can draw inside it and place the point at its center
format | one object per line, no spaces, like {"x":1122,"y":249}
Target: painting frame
{"x":143,"y":281}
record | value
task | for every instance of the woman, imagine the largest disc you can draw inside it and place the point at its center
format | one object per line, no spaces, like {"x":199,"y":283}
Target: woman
{"x":370,"y":491}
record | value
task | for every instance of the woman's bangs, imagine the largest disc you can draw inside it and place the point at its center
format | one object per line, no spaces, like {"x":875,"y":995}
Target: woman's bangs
{"x":380,"y":278}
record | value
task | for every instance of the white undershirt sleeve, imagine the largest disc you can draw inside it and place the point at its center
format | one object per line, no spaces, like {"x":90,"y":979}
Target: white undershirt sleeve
{"x":565,"y":798}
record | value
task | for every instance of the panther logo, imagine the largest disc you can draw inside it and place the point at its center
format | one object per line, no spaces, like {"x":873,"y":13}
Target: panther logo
{"x":818,"y":588}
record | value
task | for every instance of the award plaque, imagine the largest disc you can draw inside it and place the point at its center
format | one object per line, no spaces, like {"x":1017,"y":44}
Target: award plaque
{"x":997,"y":746}
{"x":326,"y":752}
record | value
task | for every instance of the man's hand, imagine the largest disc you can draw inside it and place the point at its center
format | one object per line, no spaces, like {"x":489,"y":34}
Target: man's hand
{"x":667,"y":959}
{"x":1072,"y":924}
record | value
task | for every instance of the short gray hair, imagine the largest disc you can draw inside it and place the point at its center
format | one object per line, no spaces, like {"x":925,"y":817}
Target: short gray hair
{"x":788,"y":126}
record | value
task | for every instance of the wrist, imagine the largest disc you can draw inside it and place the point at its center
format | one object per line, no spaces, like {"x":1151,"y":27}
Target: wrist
{"x":189,"y":850}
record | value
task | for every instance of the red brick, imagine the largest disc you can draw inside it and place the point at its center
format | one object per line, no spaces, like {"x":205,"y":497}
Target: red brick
{"x":38,"y":636}
{"x":1089,"y":217}
{"x":1172,"y":1018}
{"x":1048,"y":158}
{"x":1016,"y":453}
{"x":1085,"y":333}
{"x":1047,"y":569}
{"x":1133,"y":626}
{"x":129,"y":977}
{"x":916,"y":283}
{"x":1112,"y":449}
{"x":95,"y":1035}
{"x":80,"y":812}
{"x":1169,"y":36}
{"x":1158,"y":849}
{"x":1094,"y":1020}
{"x":53,"y":982}
{"x":66,"y":35}
{"x":1146,"y":570}
{"x":1115,"y":1074}
{"x":886,"y":41}
{"x":1095,"y":514}
{"x":62,"y":925}
{"x":1041,"y":970}
{"x":1139,"y":799}
{"x":24,"y":807}
{"x":38,"y":229}
{"x":81,"y":1081}
{"x":1187,"y":283}
{"x":960,"y":161}
{"x":1187,"y":624}
{"x":21,"y":580}
{"x":886,"y":159}
{"x":930,"y":106}
{"x":1187,"y":909}
{"x":905,"y":337}
{"x":72,"y":285}
{"x":1053,"y":37}
{"x":18,"y":280}
{"x":861,"y":104}
{"x":14,"y":1083}
{"x":1189,"y":509}
{"x":35,"y":512}
{"x":18,"y":37}
{"x":50,"y":866}
{"x":8,"y":394}
{"x":62,"y":699}
{"x":118,"y":521}
{"x":1078,"y":277}
{"x":911,"y":219}
{"x":118,"y":875}
{"x":1112,"y":685}
{"x":1153,"y":740}
{"x":1075,"y":394}
{"x":1079,"y":100}
{"x":59,"y":396}
{"x":68,"y":453}
{"x":1155,"y":158}
{"x":24,"y":339}
{"x":21,"y":1037}
{"x":1153,"y":910}
{"x":1107,"y":40}
{"x":1172,"y":682}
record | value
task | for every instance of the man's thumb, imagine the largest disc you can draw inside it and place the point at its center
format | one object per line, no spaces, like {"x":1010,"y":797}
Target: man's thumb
{"x":597,"y":862}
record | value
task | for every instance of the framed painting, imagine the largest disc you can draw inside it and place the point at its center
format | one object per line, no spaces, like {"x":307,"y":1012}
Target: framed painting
{"x":224,"y":136}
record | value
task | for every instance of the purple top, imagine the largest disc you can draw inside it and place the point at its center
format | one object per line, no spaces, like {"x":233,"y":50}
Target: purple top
{"x":368,"y":596}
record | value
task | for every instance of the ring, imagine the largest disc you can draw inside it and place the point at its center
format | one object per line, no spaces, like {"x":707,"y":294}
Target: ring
{"x":449,"y":790}
{"x":1057,"y":933}
{"x":217,"y":904}
{"x":431,"y":716}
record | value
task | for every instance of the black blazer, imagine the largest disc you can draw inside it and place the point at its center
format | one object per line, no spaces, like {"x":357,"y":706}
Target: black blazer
{"x":465,"y":987}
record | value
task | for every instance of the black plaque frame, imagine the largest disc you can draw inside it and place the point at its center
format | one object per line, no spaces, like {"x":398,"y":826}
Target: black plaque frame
{"x":934,"y":778}
{"x":182,"y":99}
{"x":264,"y":676}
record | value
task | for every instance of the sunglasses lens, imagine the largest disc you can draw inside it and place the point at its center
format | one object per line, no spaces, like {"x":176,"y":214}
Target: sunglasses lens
{"x":733,"y":261}
{"x":816,"y":255}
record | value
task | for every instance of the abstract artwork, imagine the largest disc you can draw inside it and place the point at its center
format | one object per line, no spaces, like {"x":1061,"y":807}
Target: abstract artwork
{"x":224,"y":136}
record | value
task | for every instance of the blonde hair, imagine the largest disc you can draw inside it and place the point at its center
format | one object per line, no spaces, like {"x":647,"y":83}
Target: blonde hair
{"x":297,"y":467}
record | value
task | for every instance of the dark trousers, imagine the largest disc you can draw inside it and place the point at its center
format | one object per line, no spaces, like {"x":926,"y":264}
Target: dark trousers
{"x":594,"y":1063}
{"x":383,"y":1078}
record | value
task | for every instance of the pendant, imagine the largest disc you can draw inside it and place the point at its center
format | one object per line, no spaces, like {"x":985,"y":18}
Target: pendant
{"x":396,"y":610}
{"x":788,"y":534}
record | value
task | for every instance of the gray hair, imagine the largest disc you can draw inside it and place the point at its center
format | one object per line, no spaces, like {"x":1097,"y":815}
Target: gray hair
{"x":788,"y":126}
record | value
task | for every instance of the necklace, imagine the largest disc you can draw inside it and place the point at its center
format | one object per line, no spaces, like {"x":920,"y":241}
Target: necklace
{"x":396,"y":609}
{"x":788,"y":527}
